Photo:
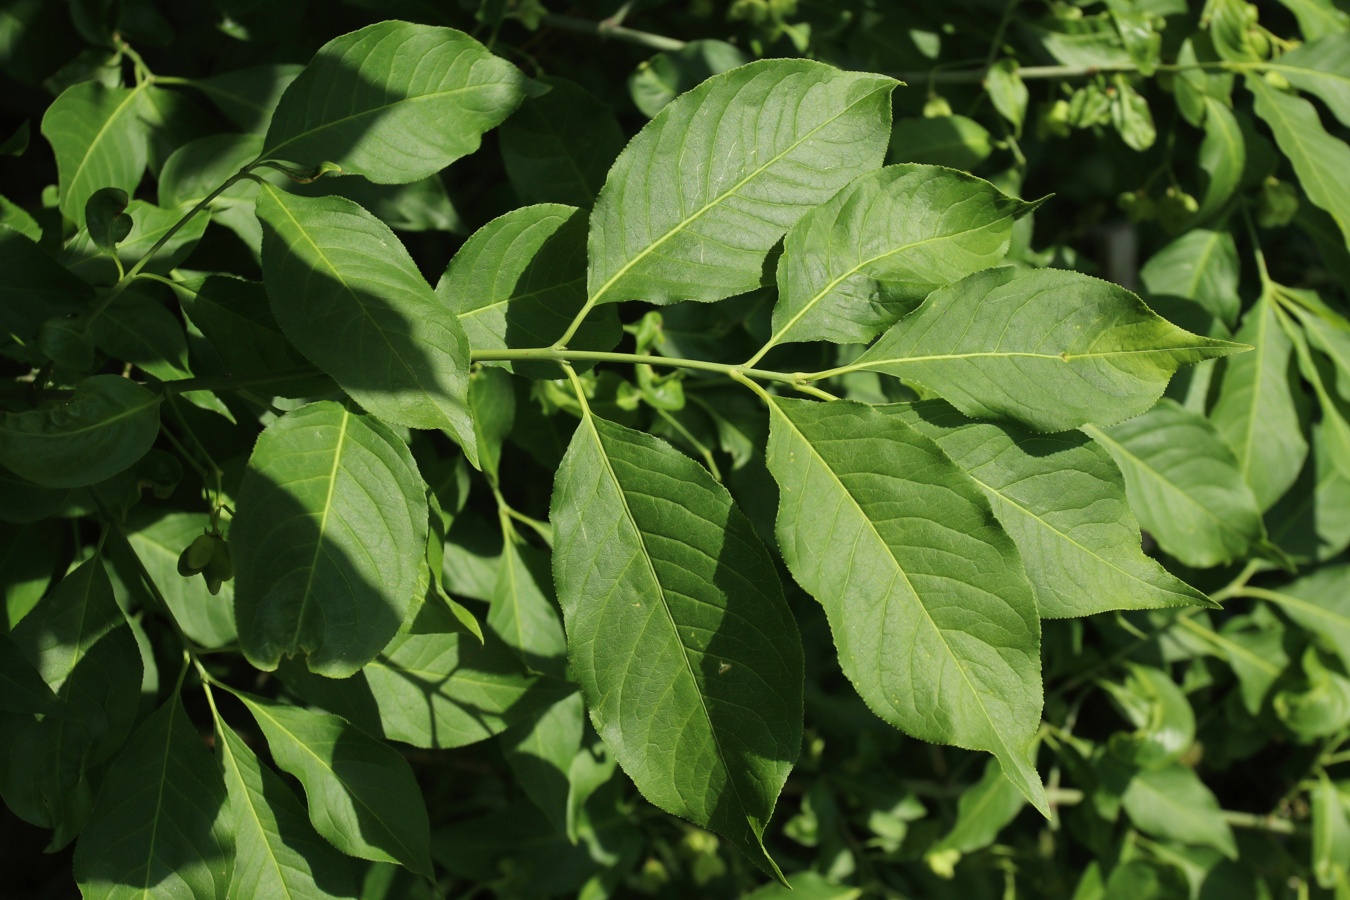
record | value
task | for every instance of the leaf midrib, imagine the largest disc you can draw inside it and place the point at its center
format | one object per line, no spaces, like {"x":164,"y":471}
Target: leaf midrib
{"x":1314,"y":169}
{"x":690,"y":219}
{"x":903,"y":574}
{"x":62,"y":435}
{"x":102,"y":132}
{"x":670,"y":617}
{"x":323,"y":530}
{"x":253,"y":811}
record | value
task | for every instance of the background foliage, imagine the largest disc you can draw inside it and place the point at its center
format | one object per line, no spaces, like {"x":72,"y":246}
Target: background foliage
{"x":302,"y":523}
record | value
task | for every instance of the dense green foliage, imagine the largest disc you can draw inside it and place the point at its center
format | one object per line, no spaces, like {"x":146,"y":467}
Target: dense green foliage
{"x":682,"y":449}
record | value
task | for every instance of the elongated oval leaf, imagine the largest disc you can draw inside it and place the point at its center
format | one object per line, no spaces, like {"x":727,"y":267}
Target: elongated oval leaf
{"x":1319,"y":160}
{"x":931,"y":612}
{"x":1319,"y":602}
{"x":437,"y":690}
{"x":1322,"y":68}
{"x":523,"y":615}
{"x":1201,"y":266}
{"x":1260,"y":412}
{"x":677,"y":630}
{"x":348,"y":295}
{"x":1174,"y":804}
{"x":99,"y":140}
{"x":328,"y":512}
{"x":854,"y":265}
{"x":206,"y":618}
{"x":520,"y":279}
{"x":361,"y":792}
{"x":1185,"y":486}
{"x":558,"y":146}
{"x":106,"y":426}
{"x":277,"y":852}
{"x":1062,"y":500}
{"x":394,"y":102}
{"x":1052,"y":348}
{"x":697,"y":199}
{"x":540,"y":749}
{"x":157,"y":829}
{"x":1223,"y":157}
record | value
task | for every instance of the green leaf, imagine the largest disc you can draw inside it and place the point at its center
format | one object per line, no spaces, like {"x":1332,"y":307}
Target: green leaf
{"x":330,"y":505}
{"x":362,"y":795}
{"x":1185,"y":486}
{"x":665,"y":76}
{"x":1162,"y":716}
{"x":1052,"y":348}
{"x":156,"y":829}
{"x":107,"y":425}
{"x":105,"y":220}
{"x":854,"y":265}
{"x":985,"y":809}
{"x":206,"y":618}
{"x":138,"y":329}
{"x":1062,"y":500}
{"x":1322,"y":68}
{"x":1320,"y":603}
{"x":1319,"y":160}
{"x":520,"y":279}
{"x":99,"y":141}
{"x":35,"y":287}
{"x":1201,"y":266}
{"x":22,"y":689}
{"x":1260,"y":411}
{"x":149,"y":223}
{"x":1331,"y":833}
{"x":394,"y":102}
{"x":523,"y":612}
{"x":349,"y":296}
{"x":1317,"y":18}
{"x":434,"y":690}
{"x":540,"y":749}
{"x":558,"y":146}
{"x":1007,"y":92}
{"x":492,"y":402}
{"x":694,"y":203}
{"x":806,"y":885}
{"x":954,"y":141}
{"x":931,"y":612}
{"x":677,"y":630}
{"x":1174,"y":804}
{"x":1222,"y":159}
{"x":248,"y":96}
{"x":1130,"y":115}
{"x":277,"y":852}
{"x":14,"y":216}
{"x":422,"y":205}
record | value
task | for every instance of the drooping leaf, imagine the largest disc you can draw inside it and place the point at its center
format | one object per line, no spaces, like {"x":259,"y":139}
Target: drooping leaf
{"x":102,"y":429}
{"x":1331,"y":834}
{"x":492,"y":402}
{"x":854,"y":265}
{"x":434,"y":690}
{"x":985,"y":809}
{"x":105,"y":219}
{"x":1201,"y":266}
{"x":99,"y":141}
{"x":1318,"y":18}
{"x":1322,"y":68}
{"x":394,"y":102}
{"x":558,"y":146}
{"x":1222,"y":159}
{"x":1319,"y":160}
{"x":329,"y":507}
{"x":677,"y":630}
{"x":349,"y":296}
{"x":1055,"y":349}
{"x":1062,"y":500}
{"x":932,"y":615}
{"x":157,"y":829}
{"x":206,"y":618}
{"x":1008,"y":92}
{"x":520,"y":279}
{"x":277,"y":852}
{"x":1260,"y":411}
{"x":523,"y":613}
{"x":1185,"y":486}
{"x":540,"y":749}
{"x":362,"y":795}
{"x":695,"y":201}
{"x":1174,"y":804}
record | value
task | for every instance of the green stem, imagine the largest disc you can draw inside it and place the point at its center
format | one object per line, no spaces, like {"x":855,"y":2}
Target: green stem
{"x":563,"y":357}
{"x":177,"y":226}
{"x":1234,"y":587}
{"x":698,"y":445}
{"x":1034,"y":73}
{"x":608,"y":28}
{"x":561,"y":343}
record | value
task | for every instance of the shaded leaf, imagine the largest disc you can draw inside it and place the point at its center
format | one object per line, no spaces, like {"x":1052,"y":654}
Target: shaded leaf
{"x":361,"y":792}
{"x":540,"y":749}
{"x":328,"y":509}
{"x":107,"y":425}
{"x":1202,"y":266}
{"x":247,"y":96}
{"x":206,"y":618}
{"x":22,"y":689}
{"x":558,"y":146}
{"x":1174,"y":804}
{"x":394,"y":102}
{"x":349,"y":296}
{"x":523,"y":613}
{"x":1062,"y":500}
{"x":677,"y":630}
